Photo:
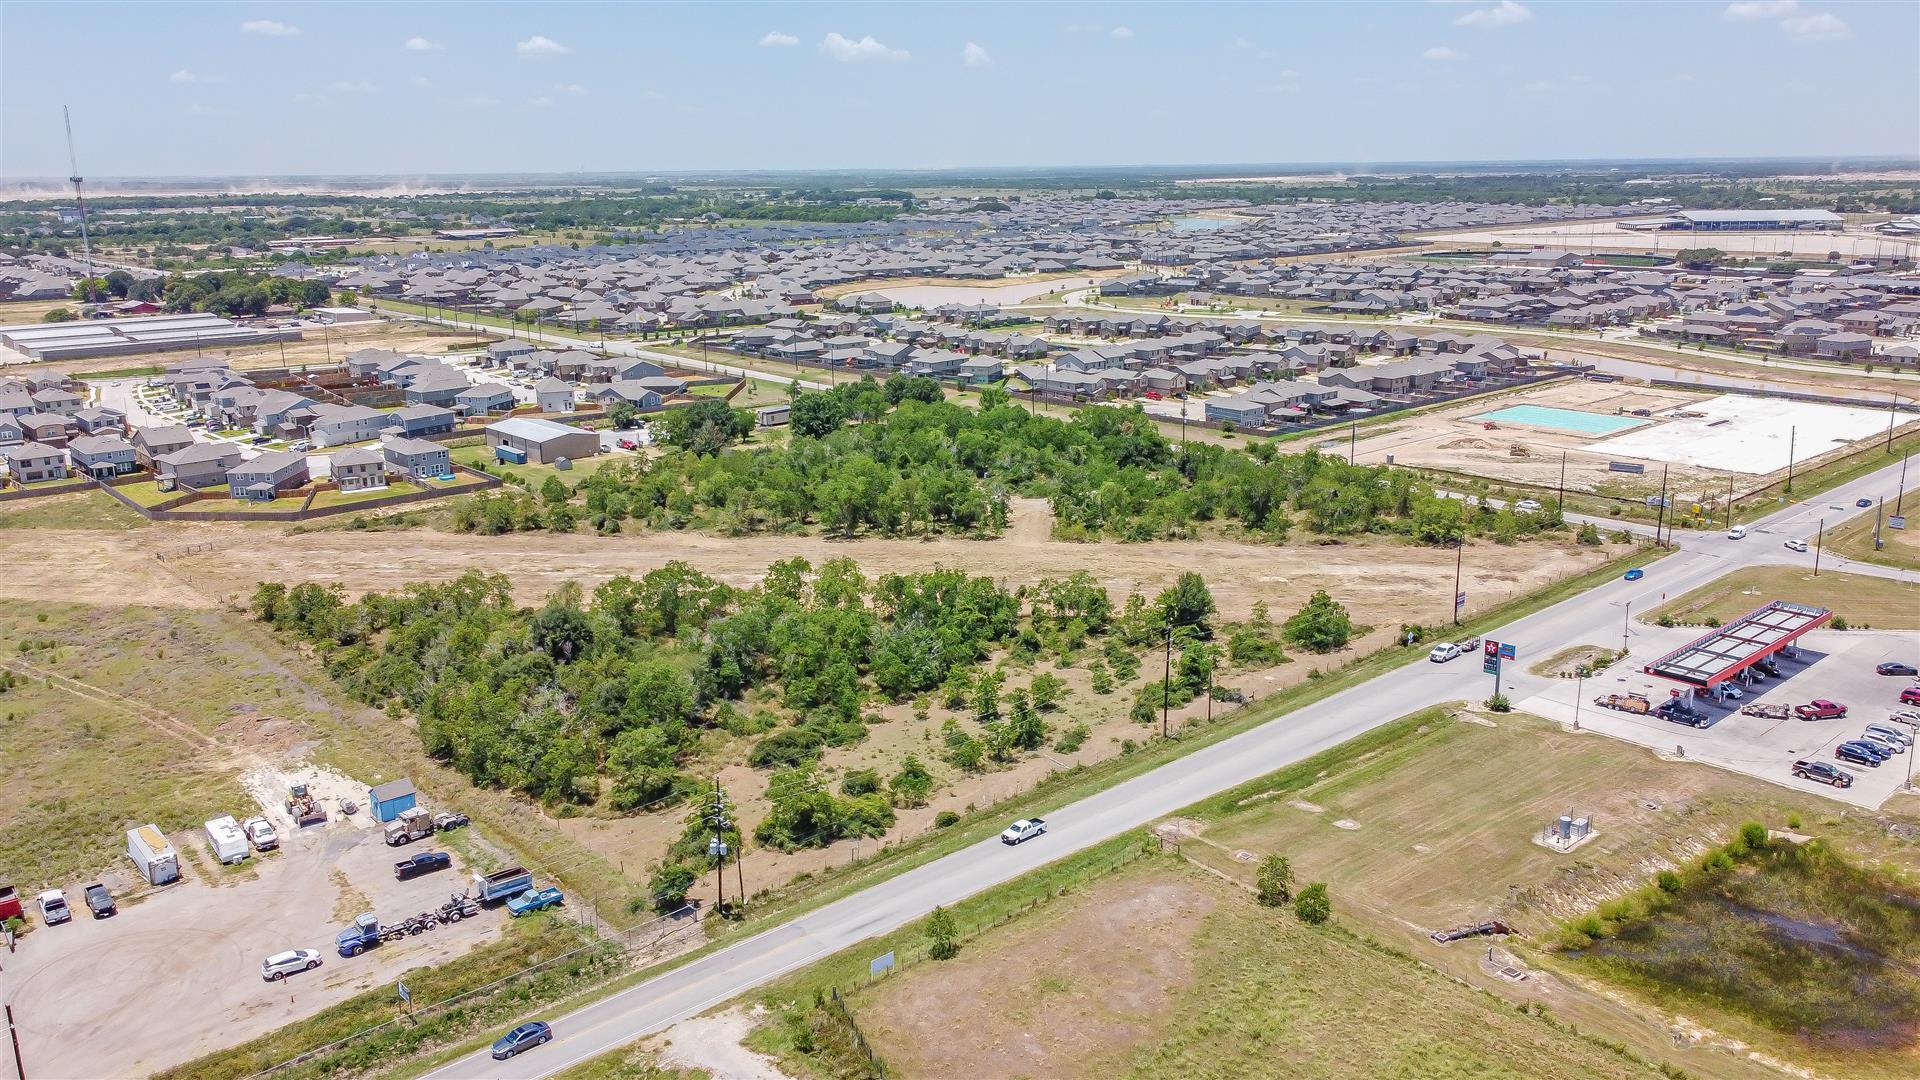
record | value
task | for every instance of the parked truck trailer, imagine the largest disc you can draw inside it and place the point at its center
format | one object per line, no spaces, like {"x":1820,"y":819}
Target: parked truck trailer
{"x":501,"y":885}
{"x":149,"y":849}
{"x":229,"y":843}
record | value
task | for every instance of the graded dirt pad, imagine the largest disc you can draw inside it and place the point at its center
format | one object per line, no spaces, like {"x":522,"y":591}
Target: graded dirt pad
{"x":1055,"y":994}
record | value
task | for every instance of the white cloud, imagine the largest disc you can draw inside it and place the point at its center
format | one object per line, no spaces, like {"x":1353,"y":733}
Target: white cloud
{"x":311,"y":99}
{"x":687,"y":110}
{"x":420,"y":44}
{"x":654,"y":95}
{"x":1821,"y":27}
{"x":1441,"y":52}
{"x":1752,"y":10}
{"x":975,"y":57}
{"x":190,"y":77}
{"x":421,"y":81}
{"x":207,"y":110}
{"x":541,"y":45}
{"x":1504,"y":13}
{"x":268,"y":28}
{"x":1579,"y":78}
{"x":344,"y":87}
{"x":1122,"y":32}
{"x":538,"y":103}
{"x":848,"y":51}
{"x":572,"y":89}
{"x":777,"y":40}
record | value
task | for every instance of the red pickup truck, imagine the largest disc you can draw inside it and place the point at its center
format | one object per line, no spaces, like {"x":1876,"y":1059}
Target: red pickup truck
{"x":1820,"y":709}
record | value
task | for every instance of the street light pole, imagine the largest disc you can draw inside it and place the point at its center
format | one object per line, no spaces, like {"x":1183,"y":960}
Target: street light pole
{"x":1166,"y":681}
{"x":1459,"y":556}
{"x":1818,"y":538}
{"x":1791,"y":432}
{"x":1625,"y":620}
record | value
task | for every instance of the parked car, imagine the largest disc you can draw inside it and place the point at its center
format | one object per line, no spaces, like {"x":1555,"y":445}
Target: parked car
{"x":1153,"y":395}
{"x":53,"y":907}
{"x":1910,"y":696}
{"x":1731,"y":692}
{"x":100,"y":901}
{"x":1904,"y":738}
{"x":1879,"y":741}
{"x":527,"y":1035}
{"x":1023,"y":830}
{"x":1527,"y":506}
{"x":628,"y":444}
{"x":280,"y":965}
{"x":1821,"y":709}
{"x":1738,"y":532}
{"x":1901,"y":716}
{"x":1444,"y":652}
{"x":535,"y":900}
{"x":1680,"y":712}
{"x":1824,"y":771}
{"x":261,"y":440}
{"x":1859,"y":754}
{"x":1796,"y":545}
{"x":425,"y":862}
{"x":1893,"y":667}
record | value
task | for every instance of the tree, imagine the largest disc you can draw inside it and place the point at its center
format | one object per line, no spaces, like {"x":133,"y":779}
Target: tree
{"x":669,"y":885}
{"x":1188,"y":603}
{"x":816,"y":415}
{"x":1312,"y":905}
{"x":943,"y":937}
{"x":622,"y":415}
{"x":912,"y":784}
{"x":1275,"y":881}
{"x":1321,"y":626}
{"x":57,"y":315}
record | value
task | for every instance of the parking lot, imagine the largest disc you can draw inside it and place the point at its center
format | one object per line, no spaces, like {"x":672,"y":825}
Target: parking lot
{"x":1835,"y":665}
{"x":176,"y":973}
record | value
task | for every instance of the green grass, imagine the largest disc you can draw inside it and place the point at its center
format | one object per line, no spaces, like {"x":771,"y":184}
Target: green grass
{"x":481,"y":458}
{"x":122,"y":373}
{"x":629,"y":1064}
{"x":1900,"y":547}
{"x":1863,"y":601}
{"x":147,"y":493}
{"x":334,"y":497}
{"x":84,"y":510}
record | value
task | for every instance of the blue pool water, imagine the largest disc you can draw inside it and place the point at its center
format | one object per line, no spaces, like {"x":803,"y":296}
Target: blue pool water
{"x":1585,"y":423}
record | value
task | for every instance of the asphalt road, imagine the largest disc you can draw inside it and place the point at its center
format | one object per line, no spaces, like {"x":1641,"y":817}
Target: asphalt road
{"x":1598,"y":616}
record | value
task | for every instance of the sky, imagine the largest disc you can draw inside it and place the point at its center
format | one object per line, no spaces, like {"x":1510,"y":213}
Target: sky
{"x":253,"y":89}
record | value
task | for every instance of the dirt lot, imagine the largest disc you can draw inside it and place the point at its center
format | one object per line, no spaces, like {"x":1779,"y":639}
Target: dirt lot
{"x":1163,"y":970}
{"x":87,"y":998}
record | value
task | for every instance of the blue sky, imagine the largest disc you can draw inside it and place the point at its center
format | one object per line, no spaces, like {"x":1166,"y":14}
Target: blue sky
{"x":393,"y":88}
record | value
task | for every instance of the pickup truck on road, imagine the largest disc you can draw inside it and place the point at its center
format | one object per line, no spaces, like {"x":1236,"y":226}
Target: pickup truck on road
{"x":1820,"y":709}
{"x":1023,"y":830}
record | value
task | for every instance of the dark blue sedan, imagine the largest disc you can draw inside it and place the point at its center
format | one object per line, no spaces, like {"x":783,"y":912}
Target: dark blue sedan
{"x":1863,"y":503}
{"x":530,"y":1034}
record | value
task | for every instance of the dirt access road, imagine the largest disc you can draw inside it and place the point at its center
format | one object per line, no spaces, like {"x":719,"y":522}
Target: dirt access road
{"x":203,"y":565}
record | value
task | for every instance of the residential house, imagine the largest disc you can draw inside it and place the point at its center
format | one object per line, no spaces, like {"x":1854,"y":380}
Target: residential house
{"x":151,"y":442}
{"x":197,"y":465}
{"x":33,"y":462}
{"x":436,"y":386}
{"x":268,"y":476}
{"x":554,"y":396}
{"x":358,"y":468}
{"x":417,"y":458}
{"x":102,"y":455}
{"x":100,"y":421}
{"x":338,"y":425}
{"x":417,"y":420}
{"x":483,"y":398}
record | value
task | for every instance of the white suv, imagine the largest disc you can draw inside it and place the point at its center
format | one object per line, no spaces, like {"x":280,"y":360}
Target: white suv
{"x":1444,"y":652}
{"x":280,"y":965}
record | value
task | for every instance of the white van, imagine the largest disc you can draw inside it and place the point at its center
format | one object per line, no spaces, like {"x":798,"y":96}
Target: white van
{"x":1738,"y":532}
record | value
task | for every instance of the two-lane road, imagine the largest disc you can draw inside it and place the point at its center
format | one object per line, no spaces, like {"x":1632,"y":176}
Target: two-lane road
{"x":1594,"y":617}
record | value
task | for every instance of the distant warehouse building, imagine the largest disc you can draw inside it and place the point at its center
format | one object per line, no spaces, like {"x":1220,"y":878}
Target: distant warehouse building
{"x":529,"y":440}
{"x":1753,"y":220}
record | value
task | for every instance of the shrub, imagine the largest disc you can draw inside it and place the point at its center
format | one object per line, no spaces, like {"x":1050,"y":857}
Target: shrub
{"x":1669,"y":881}
{"x":1321,"y":626}
{"x":943,"y":937}
{"x":1275,"y":881}
{"x":793,"y":746}
{"x":668,"y":886}
{"x":860,"y":782}
{"x":945,"y":819}
{"x":1071,"y":739}
{"x":1313,"y":906}
{"x":1499,"y":703}
{"x":1839,"y":622}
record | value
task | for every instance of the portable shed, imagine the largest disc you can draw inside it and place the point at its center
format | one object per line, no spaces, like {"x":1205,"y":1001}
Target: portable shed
{"x":389,"y":800}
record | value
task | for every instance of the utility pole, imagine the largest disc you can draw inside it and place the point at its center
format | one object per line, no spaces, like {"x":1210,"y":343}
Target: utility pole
{"x":20,"y":1064}
{"x":1625,"y":620}
{"x":1878,"y":509}
{"x":1901,"y":496}
{"x":1729,"y":502}
{"x":1166,"y":681}
{"x":1893,"y":403}
{"x":1459,"y":556}
{"x":1563,"y":483}
{"x":1661,"y":520}
{"x":717,"y":817}
{"x":1818,"y":538}
{"x":1791,"y":432}
{"x":1353,"y":440}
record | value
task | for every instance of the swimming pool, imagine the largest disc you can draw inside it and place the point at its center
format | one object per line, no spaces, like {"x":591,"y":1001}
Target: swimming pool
{"x":1585,"y":423}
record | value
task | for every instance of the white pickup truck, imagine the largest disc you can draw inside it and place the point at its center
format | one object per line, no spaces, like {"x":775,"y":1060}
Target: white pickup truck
{"x":1024,"y":829}
{"x":260,"y":831}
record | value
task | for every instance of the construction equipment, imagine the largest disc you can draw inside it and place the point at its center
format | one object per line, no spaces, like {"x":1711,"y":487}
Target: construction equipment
{"x":1476,"y":930}
{"x":303,"y":808}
